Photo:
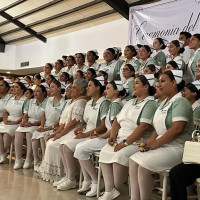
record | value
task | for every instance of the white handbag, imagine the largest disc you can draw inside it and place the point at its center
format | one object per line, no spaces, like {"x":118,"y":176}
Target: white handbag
{"x":191,"y":152}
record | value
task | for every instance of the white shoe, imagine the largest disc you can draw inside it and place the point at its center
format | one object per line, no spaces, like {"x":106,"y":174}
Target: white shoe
{"x":36,"y":166}
{"x":18,"y":164}
{"x":3,"y":158}
{"x":93,"y":191}
{"x":66,"y":185}
{"x":110,"y":195}
{"x":85,"y":186}
{"x":27,"y":164}
{"x":57,"y":183}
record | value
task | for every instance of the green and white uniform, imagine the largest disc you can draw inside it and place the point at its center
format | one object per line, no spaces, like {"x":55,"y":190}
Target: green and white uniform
{"x":131,"y":115}
{"x":3,"y":102}
{"x":144,"y":64}
{"x":160,"y":58}
{"x":193,"y":62}
{"x":176,"y":109}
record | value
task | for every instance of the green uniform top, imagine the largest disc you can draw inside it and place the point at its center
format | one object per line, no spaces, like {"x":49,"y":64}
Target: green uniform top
{"x":193,"y":61}
{"x":160,"y":59}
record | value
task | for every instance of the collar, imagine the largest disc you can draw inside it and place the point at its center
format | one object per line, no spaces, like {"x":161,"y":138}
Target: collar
{"x":145,"y":99}
{"x":110,"y":63}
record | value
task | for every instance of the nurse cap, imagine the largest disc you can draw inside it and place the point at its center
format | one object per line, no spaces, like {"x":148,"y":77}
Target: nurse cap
{"x":119,"y":85}
{"x":84,"y":54}
{"x":46,"y":86}
{"x":150,"y":78}
{"x":157,"y":68}
{"x":95,"y":51}
{"x":117,"y":49}
{"x":63,"y":86}
{"x":181,"y":43}
{"x":10,"y":83}
{"x":24,"y":82}
{"x":178,"y":75}
{"x":126,"y":87}
{"x":100,"y":79}
{"x":196,"y":84}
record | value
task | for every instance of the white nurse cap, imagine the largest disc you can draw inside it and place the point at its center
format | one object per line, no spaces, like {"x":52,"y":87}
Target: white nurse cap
{"x":119,"y":85}
{"x":95,"y":51}
{"x":10,"y":83}
{"x":24,"y":82}
{"x":157,"y":68}
{"x":46,"y":86}
{"x":150,"y":78}
{"x":196,"y":84}
{"x":63,"y":85}
{"x":178,"y":75}
{"x":100,"y":79}
{"x":181,"y":43}
{"x":126,"y":87}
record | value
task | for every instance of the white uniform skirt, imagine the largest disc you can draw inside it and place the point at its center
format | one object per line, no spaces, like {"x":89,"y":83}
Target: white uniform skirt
{"x":85,"y":149}
{"x":38,"y":135}
{"x":30,"y":129}
{"x":10,"y":129}
{"x":52,"y":168}
{"x":72,"y":143}
{"x":107,"y":154}
{"x":162,"y":158}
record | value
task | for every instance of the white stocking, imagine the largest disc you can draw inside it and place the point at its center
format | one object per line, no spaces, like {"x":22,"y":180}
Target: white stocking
{"x":7,"y":139}
{"x":146,"y":182}
{"x":29,"y":146}
{"x":43,"y":146}
{"x":107,"y":171}
{"x":18,"y":144}
{"x":2,"y":150}
{"x":35,"y":146}
{"x":63,"y":158}
{"x":133,"y":173}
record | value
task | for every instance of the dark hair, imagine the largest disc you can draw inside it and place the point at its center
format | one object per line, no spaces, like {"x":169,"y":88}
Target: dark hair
{"x":22,"y":86}
{"x":43,"y":90}
{"x":113,"y":52}
{"x":98,"y":84}
{"x":193,"y":88}
{"x":161,"y":41}
{"x":81,"y":56}
{"x":58,"y":84}
{"x":173,"y":64}
{"x":132,"y":48}
{"x":81,"y":73}
{"x":50,"y":65}
{"x":65,"y":57}
{"x":180,"y":85}
{"x":52,"y":77}
{"x":105,"y":74}
{"x":151,"y":89}
{"x":186,"y":34}
{"x":92,"y":71}
{"x":61,"y":62}
{"x":67,"y":76}
{"x":28,"y":77}
{"x":177,"y":44}
{"x":72,"y":57}
{"x":38,"y":76}
{"x":121,"y":93}
{"x":131,"y":68}
{"x":6,"y":84}
{"x":197,"y":35}
{"x":31,"y":91}
{"x":94,"y":54}
{"x":152,"y":67}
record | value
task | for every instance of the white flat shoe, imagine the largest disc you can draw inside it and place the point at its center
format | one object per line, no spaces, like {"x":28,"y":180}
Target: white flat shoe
{"x":85,"y":187}
{"x":18,"y":164}
{"x":110,"y":195}
{"x":3,"y":158}
{"x":66,"y":185}
{"x":57,"y":183}
{"x":27,"y":164}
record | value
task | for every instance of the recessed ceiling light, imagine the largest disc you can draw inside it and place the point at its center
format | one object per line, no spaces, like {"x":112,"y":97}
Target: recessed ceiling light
{"x":8,"y":72}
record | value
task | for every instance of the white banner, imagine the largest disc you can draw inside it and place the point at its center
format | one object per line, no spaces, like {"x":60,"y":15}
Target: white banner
{"x":165,"y":19}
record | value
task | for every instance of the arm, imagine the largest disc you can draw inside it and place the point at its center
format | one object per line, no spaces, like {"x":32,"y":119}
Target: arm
{"x":100,"y":129}
{"x":5,"y":117}
{"x":171,"y":134}
{"x":141,"y":129}
{"x":24,"y":120}
{"x":114,"y":131}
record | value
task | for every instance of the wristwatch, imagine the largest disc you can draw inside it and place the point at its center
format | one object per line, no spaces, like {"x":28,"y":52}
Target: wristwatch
{"x":125,"y":142}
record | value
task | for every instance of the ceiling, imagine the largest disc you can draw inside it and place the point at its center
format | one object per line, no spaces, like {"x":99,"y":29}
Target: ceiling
{"x":23,"y":21}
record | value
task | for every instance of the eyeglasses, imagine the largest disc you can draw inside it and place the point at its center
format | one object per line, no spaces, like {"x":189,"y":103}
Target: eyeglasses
{"x":125,"y":69}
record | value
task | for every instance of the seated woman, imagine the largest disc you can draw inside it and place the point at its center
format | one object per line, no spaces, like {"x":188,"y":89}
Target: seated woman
{"x":49,"y":120}
{"x":128,"y":73}
{"x":29,"y":93}
{"x":69,"y":65}
{"x":144,"y":54}
{"x":92,"y":57}
{"x":114,"y":90}
{"x":94,"y":117}
{"x":131,"y":124}
{"x":192,"y":94}
{"x":90,"y":74}
{"x":12,"y":116}
{"x":29,"y":124}
{"x":4,"y":96}
{"x":171,"y":65}
{"x":173,"y":123}
{"x":71,"y":118}
{"x":56,"y":72}
{"x":159,"y":95}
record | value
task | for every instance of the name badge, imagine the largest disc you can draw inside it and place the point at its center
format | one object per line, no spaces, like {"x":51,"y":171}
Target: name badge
{"x":137,"y":107}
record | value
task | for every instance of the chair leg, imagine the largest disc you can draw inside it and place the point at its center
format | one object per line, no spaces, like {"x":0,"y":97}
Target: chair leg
{"x":80,"y":178}
{"x":164,"y":193}
{"x":11,"y":151}
{"x":99,"y":181}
